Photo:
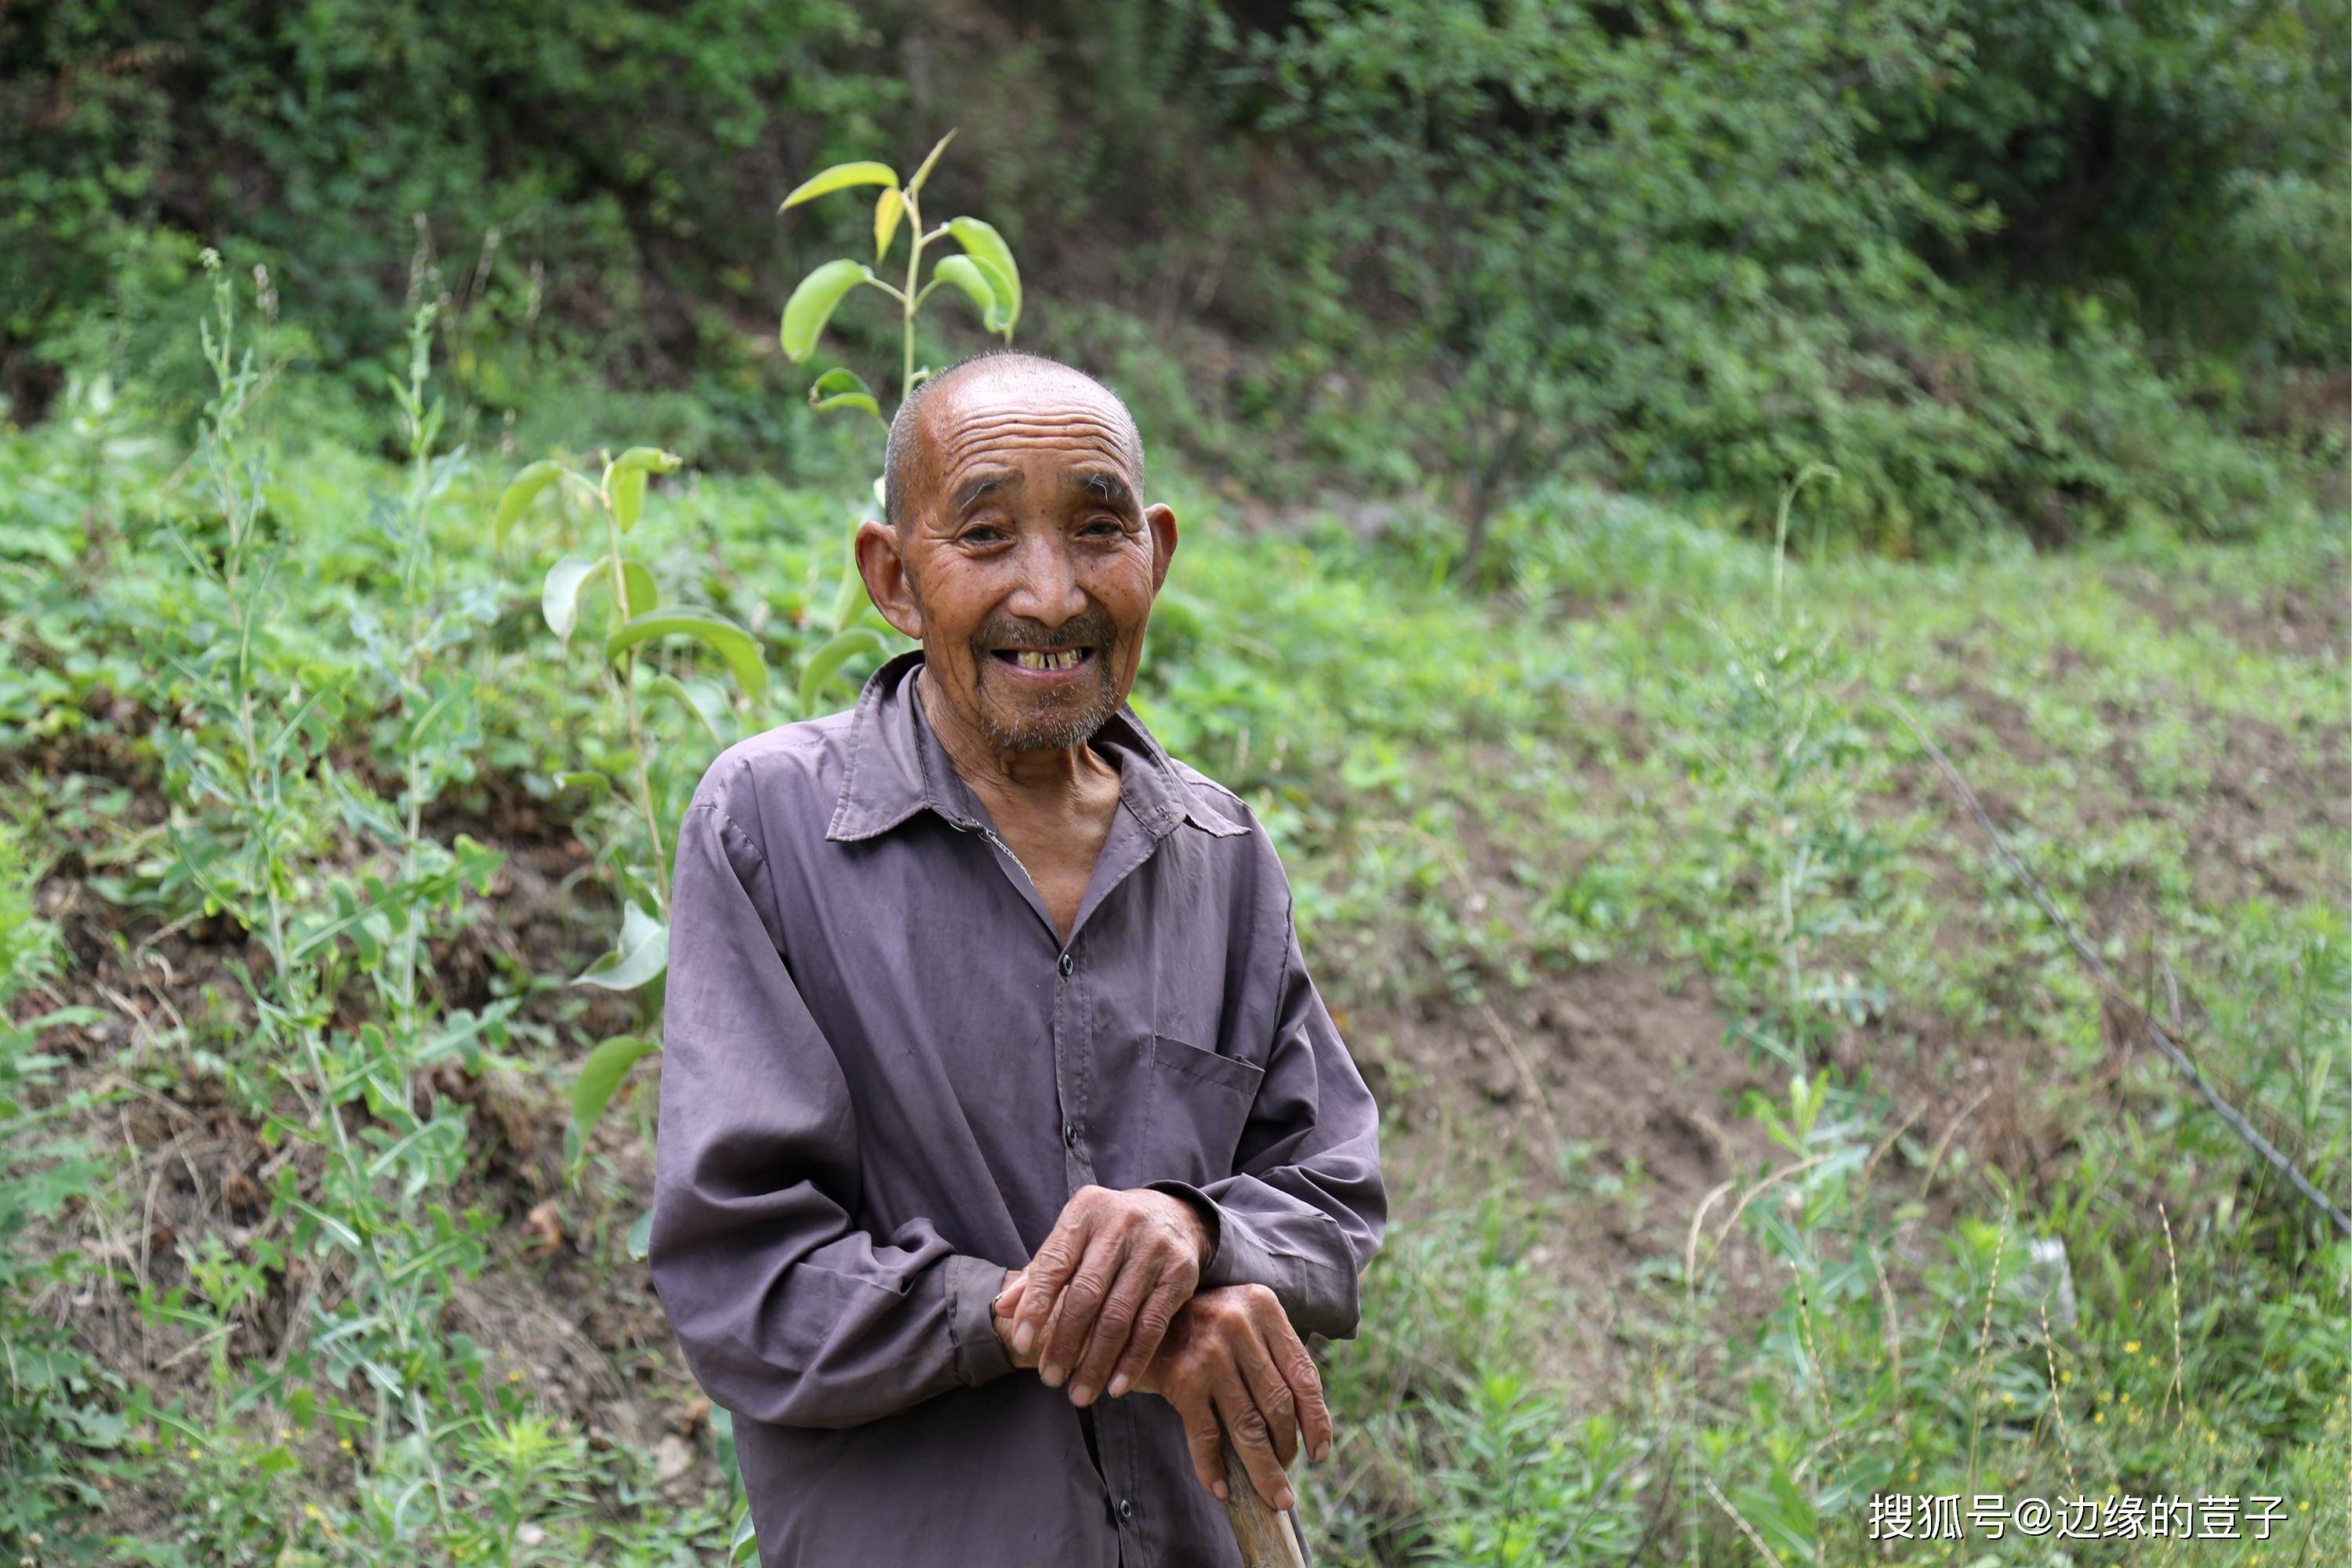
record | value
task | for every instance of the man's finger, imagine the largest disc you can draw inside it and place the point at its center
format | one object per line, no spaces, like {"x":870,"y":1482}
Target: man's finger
{"x":1270,"y":1391}
{"x":1245,"y":1426}
{"x":1204,"y":1436}
{"x":1110,"y":1339}
{"x":1081,"y":1298}
{"x":1290,"y":1358}
{"x":1143,"y":1342}
{"x":1056,"y":1255}
{"x":1006,"y":1309}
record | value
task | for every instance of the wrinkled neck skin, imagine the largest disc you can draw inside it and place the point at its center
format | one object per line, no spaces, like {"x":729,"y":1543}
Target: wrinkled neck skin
{"x":1058,"y":781}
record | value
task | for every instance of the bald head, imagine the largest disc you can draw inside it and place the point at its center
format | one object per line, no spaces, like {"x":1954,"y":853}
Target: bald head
{"x":1006,"y":383}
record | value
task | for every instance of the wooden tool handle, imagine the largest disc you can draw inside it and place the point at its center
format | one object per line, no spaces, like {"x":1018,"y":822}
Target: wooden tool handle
{"x":1263,"y":1534}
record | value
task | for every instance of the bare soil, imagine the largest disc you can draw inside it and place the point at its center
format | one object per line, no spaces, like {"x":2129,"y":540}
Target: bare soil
{"x":2297,"y":620}
{"x":1615,"y":1080}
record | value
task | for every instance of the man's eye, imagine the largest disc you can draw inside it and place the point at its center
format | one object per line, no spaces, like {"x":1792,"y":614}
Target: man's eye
{"x":1103,"y":525}
{"x":981,"y":534}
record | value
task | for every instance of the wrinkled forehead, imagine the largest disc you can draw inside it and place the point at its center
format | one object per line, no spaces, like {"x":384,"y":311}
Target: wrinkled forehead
{"x":1015,"y":418}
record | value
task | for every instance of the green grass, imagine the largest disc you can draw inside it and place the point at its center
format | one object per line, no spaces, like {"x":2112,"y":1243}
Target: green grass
{"x":1630,"y":756}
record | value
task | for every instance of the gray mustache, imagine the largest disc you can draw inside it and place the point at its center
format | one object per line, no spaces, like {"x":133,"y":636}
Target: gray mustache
{"x":1081,"y":633}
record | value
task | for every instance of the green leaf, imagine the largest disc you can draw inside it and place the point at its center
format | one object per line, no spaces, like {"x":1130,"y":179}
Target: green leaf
{"x":342,"y":1234}
{"x":46,"y":1193}
{"x":601,"y":1075}
{"x":593,"y":783}
{"x":840,"y":177}
{"x":706,"y":700}
{"x":559,"y":597}
{"x":851,"y":400}
{"x":61,"y":1017}
{"x":729,"y":641}
{"x":722,"y":1433}
{"x":568,"y":579}
{"x":628,"y":492}
{"x":915,"y":185}
{"x":626,"y":480}
{"x":983,"y":243}
{"x":639,"y":584}
{"x":476,"y":864}
{"x":838,"y":648}
{"x":812,"y":304}
{"x":973,"y":280}
{"x":889,"y":208}
{"x":520,"y":491}
{"x":641,"y":1236}
{"x":642,"y":953}
{"x":647,"y":459}
{"x":745,"y":1543}
{"x":1005,"y":290}
{"x":840,"y":388}
{"x":852,"y":590}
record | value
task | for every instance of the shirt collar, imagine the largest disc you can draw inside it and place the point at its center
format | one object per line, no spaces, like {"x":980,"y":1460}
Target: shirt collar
{"x":897,"y":766}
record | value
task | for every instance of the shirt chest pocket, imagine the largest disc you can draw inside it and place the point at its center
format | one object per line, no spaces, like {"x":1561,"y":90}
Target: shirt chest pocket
{"x":1196,"y":1105}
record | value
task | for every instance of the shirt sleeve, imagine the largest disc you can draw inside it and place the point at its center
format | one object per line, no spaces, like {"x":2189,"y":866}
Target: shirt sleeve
{"x":1304,"y":1209}
{"x":787,"y":1312}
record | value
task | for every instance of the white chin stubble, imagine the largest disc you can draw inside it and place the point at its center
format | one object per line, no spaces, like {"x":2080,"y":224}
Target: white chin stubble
{"x":1053,"y":718}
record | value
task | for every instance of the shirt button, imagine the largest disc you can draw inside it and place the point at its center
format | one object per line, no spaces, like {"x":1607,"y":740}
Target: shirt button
{"x":1066,"y":964}
{"x":1126,"y":1509}
{"x":1070,"y":1134}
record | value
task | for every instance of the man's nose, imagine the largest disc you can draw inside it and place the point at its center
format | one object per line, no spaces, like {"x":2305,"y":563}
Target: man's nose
{"x":1049,"y":590}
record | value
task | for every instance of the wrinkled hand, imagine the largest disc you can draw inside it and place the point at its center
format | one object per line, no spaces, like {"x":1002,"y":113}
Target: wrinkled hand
{"x":1094,"y":1303}
{"x":1231,"y":1364}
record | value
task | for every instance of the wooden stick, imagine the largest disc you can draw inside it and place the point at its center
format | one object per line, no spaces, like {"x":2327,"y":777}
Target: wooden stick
{"x":1263,"y":1534}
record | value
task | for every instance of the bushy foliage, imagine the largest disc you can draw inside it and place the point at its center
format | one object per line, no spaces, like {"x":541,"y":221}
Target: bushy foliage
{"x":2192,"y":153}
{"x":2019,"y":267}
{"x":1670,"y":246}
{"x":584,"y":182}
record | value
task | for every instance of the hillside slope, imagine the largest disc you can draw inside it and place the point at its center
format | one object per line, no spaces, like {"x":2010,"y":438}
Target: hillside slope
{"x":1727,"y":1075}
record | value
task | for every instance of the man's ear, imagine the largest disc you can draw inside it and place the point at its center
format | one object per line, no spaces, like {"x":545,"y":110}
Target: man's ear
{"x":885,"y":571}
{"x":1162,"y":522}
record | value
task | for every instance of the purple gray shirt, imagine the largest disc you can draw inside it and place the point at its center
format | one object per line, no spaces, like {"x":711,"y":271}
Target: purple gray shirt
{"x":884,"y":1074}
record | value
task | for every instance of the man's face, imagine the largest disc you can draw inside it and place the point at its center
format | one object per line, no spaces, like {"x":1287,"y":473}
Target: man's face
{"x":1028,"y":562}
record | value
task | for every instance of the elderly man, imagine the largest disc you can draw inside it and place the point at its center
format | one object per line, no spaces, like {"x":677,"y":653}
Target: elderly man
{"x":1006,"y":1152}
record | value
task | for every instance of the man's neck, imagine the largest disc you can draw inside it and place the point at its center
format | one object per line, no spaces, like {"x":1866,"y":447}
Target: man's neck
{"x":1048,"y":781}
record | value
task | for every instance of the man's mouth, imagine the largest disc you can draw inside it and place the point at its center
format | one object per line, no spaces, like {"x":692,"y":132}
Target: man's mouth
{"x":1044,"y":660}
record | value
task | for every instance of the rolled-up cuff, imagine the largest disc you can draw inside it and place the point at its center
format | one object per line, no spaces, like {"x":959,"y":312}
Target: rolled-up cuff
{"x":1315,"y":1280}
{"x":971,"y":1286}
{"x":1211,"y":1215}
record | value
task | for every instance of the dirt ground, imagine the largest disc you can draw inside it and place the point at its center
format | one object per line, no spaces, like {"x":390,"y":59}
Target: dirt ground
{"x":1617,"y":1078}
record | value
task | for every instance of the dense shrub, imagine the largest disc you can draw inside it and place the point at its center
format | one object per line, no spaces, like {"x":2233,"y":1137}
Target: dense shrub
{"x":2193,"y":154}
{"x":2028,"y":265}
{"x":1672,"y":243}
{"x":590,"y":177}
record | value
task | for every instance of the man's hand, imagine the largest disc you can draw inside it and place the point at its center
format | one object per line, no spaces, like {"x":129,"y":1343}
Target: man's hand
{"x":1231,"y":1364}
{"x":1095,"y":1301}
